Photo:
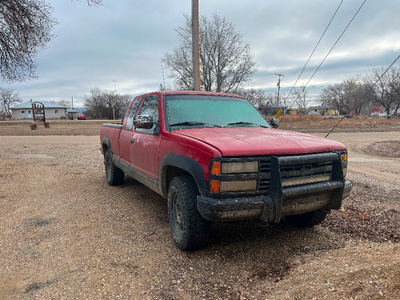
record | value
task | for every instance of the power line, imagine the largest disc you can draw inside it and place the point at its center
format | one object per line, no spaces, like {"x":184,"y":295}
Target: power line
{"x":385,"y":71}
{"x":315,"y":48}
{"x":380,"y":77}
{"x":329,"y":52}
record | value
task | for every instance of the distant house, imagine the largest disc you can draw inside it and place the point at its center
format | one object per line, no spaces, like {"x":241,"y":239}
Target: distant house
{"x":332,"y":112}
{"x":73,"y":114}
{"x":377,"y":112}
{"x":52,"y":110}
{"x":322,"y":110}
{"x":317,"y":110}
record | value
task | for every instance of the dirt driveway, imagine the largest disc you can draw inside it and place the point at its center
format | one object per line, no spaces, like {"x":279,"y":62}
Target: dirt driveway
{"x":66,"y":234}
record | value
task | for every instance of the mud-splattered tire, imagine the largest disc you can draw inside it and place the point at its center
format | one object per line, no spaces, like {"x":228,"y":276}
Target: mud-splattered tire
{"x":114,"y":175}
{"x":309,"y":219}
{"x":189,"y":229}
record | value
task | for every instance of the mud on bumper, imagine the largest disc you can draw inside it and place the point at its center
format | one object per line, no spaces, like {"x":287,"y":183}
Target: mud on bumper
{"x":271,"y":208}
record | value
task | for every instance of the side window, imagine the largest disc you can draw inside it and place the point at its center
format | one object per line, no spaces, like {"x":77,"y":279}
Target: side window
{"x":149,"y":108}
{"x":132,"y":113}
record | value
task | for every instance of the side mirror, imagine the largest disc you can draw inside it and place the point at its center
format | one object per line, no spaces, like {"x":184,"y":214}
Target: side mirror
{"x":145,"y":122}
{"x":274,"y":122}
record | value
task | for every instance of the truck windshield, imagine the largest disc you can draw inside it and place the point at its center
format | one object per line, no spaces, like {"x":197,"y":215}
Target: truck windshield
{"x":188,"y":111}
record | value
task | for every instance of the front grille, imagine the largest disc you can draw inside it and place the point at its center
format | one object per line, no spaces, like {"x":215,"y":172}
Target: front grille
{"x":306,"y":169}
{"x":296,"y":173}
{"x":265,"y":170}
{"x":295,"y":170}
{"x":264,"y":185}
{"x":265,"y":165}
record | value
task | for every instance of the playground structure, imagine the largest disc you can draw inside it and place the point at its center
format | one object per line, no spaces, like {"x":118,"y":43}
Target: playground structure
{"x":39,"y":113}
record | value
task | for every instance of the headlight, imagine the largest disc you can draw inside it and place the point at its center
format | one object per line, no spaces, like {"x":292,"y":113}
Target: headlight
{"x":221,"y":169}
{"x":238,"y":186}
{"x":344,"y":172}
{"x":343,"y":158}
{"x":239,"y":167}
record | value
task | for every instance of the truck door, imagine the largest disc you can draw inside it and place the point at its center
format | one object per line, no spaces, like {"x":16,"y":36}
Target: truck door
{"x":146,"y":142}
{"x":126,"y":136}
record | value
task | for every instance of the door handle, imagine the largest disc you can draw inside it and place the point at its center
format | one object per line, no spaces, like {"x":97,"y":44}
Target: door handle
{"x":132,"y":140}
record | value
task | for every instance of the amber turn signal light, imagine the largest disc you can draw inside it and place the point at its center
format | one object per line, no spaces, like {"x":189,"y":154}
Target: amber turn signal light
{"x":215,"y":186}
{"x":216,"y":168}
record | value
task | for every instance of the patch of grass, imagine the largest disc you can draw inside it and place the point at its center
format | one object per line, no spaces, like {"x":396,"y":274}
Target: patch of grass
{"x":300,"y":121}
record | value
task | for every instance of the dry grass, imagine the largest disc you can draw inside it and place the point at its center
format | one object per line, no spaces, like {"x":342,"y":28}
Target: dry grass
{"x":56,"y":127}
{"x":316,"y":122}
{"x":301,"y":123}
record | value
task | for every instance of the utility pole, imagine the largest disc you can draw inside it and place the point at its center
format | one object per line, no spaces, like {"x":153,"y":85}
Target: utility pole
{"x":279,"y":88}
{"x":115,"y":98}
{"x":195,"y":45}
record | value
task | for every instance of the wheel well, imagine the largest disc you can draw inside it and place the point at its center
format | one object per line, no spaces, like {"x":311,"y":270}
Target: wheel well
{"x":105,"y":148}
{"x":173,"y":172}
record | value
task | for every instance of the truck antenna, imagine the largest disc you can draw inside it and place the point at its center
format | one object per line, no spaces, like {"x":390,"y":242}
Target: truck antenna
{"x":345,"y":116}
{"x":163,"y":78}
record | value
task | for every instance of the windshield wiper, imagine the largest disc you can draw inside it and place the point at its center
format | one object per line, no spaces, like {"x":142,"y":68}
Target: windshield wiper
{"x":194,"y":124}
{"x":247,"y":123}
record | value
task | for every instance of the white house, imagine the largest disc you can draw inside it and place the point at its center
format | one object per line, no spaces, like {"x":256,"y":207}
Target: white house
{"x":52,"y":110}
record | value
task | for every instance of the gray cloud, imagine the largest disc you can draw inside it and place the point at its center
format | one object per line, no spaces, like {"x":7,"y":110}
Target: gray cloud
{"x":125,"y":41}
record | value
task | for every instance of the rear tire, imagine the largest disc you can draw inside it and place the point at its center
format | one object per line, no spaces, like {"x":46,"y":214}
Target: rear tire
{"x":189,"y":229}
{"x":114,"y":175}
{"x":309,"y":219}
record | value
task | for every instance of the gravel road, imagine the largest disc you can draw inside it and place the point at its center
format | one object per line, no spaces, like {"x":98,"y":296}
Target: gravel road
{"x":66,"y":234}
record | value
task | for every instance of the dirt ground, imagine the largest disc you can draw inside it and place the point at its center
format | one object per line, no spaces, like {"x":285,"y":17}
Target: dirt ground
{"x":66,"y":234}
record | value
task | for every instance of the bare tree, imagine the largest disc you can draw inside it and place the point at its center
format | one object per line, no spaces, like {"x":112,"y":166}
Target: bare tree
{"x":94,"y":2}
{"x":333,"y":96}
{"x":396,"y":92}
{"x":259,"y":98}
{"x":26,"y":27}
{"x":299,"y":96}
{"x":226,"y":61}
{"x":63,"y":102}
{"x":105,"y":104}
{"x":25,"y":30}
{"x":385,"y":88}
{"x":8,"y":98}
{"x":347,"y":96}
{"x":95,"y":103}
{"x":282,"y":101}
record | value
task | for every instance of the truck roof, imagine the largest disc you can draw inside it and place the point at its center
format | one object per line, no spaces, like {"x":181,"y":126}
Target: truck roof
{"x":195,"y":93}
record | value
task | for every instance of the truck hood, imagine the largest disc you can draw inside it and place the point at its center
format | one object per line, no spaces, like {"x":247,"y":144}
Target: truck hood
{"x":253,"y":141}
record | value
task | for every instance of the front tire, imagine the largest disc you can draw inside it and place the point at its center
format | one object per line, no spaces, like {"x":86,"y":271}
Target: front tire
{"x":114,"y":175}
{"x":189,"y":229}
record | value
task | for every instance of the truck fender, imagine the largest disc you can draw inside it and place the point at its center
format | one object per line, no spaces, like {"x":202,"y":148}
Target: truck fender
{"x":105,"y":142}
{"x":186,"y":164}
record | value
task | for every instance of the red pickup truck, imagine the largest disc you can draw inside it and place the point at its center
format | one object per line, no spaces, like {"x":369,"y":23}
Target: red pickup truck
{"x":215,"y":158}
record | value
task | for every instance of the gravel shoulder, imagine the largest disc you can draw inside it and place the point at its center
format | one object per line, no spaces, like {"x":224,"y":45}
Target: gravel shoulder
{"x":66,"y":234}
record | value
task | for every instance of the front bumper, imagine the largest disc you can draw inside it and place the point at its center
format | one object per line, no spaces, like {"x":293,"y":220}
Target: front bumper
{"x":278,"y":203}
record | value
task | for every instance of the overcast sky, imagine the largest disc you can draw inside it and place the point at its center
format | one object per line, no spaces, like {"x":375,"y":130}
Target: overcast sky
{"x":120,"y":44}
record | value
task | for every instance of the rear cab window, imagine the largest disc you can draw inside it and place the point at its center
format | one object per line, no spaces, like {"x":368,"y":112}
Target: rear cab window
{"x":132,"y":113}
